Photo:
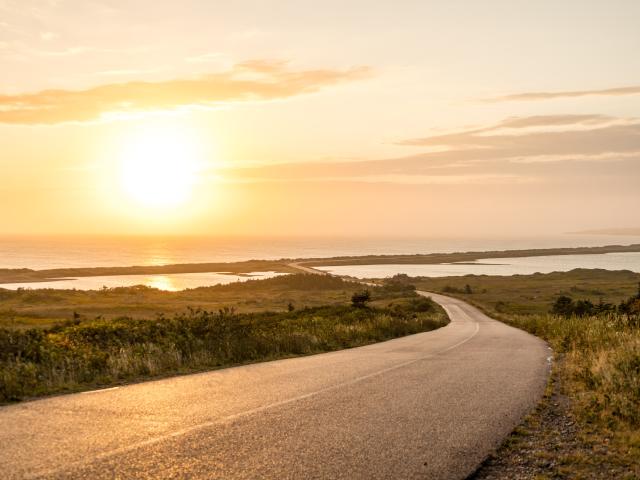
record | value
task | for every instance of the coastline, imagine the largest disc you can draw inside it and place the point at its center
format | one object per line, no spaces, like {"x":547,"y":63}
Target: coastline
{"x":24,"y":275}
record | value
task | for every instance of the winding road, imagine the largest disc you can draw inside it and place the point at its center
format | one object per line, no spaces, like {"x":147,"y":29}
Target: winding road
{"x":428,"y":406}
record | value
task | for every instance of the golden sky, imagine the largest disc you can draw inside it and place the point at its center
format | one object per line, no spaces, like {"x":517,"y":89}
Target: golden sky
{"x":325,"y":118}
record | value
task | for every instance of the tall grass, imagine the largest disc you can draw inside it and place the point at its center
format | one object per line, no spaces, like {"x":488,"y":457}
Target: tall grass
{"x":600,"y":368}
{"x":79,"y":354}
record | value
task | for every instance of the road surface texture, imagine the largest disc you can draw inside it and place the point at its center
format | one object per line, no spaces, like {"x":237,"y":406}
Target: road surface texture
{"x":428,"y":406}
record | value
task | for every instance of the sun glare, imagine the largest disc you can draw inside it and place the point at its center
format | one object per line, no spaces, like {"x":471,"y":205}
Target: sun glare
{"x":159,"y":168}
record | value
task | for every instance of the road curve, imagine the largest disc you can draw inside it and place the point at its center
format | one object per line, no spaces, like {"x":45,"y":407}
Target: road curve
{"x":431,"y":405}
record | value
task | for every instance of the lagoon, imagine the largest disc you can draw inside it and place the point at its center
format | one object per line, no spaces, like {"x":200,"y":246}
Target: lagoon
{"x":496,"y":266}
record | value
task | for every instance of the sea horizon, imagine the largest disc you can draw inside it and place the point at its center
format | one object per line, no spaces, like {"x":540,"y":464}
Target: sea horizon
{"x":39,"y":252}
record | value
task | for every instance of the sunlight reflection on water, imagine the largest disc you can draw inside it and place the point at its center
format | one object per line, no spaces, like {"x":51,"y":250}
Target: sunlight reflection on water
{"x":171,"y":282}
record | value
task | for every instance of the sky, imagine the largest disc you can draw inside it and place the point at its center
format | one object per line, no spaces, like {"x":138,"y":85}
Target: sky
{"x":412,"y":118}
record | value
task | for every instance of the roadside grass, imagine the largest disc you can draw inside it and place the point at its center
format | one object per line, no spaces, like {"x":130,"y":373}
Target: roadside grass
{"x":598,"y":369}
{"x":84,"y":353}
{"x":597,"y":364}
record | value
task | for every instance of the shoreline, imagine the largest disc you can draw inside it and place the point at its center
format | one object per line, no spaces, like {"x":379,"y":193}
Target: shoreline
{"x":304,"y":265}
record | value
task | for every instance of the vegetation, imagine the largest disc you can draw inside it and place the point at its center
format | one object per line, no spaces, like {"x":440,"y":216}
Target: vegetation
{"x":535,"y":294}
{"x":568,"y":307}
{"x":360,"y":299}
{"x":596,"y":338}
{"x":449,"y":289}
{"x":82,"y":353}
{"x":43,"y":308}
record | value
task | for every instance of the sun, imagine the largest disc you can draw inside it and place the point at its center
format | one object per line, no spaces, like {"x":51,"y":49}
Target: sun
{"x":159,"y":167}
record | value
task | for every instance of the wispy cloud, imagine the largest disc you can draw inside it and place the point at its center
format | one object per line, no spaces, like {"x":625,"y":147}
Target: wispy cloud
{"x":516,"y":150}
{"x":527,"y":96}
{"x":538,"y":133}
{"x":401,"y":179}
{"x":253,"y":80}
{"x":555,"y":120}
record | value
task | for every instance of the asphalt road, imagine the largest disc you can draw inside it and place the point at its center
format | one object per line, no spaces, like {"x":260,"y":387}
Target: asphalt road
{"x":429,"y":406}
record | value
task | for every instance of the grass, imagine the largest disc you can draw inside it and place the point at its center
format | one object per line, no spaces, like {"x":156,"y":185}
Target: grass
{"x":598,"y":357}
{"x":534,"y":294}
{"x":85,"y":353}
{"x":44,"y":308}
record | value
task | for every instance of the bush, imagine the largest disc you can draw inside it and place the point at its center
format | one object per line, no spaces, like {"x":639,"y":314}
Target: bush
{"x":467,"y":290}
{"x":359,"y":299}
{"x":632,"y":305}
{"x":565,"y":306}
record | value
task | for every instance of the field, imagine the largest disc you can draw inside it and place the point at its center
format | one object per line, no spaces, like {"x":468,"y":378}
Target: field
{"x":47,"y":307}
{"x":534,"y":294}
{"x":589,"y":424}
{"x":99,"y":350}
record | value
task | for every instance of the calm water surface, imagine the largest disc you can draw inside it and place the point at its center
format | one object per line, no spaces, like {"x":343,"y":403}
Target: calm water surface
{"x":172,"y":282}
{"x":497,"y":266}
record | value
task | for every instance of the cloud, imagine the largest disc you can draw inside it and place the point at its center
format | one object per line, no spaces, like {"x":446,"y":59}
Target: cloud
{"x":541,"y":134}
{"x":554,"y":120}
{"x":614,"y":92}
{"x":391,"y":178}
{"x":248,"y":81}
{"x":507,"y":152}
